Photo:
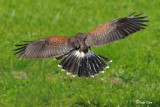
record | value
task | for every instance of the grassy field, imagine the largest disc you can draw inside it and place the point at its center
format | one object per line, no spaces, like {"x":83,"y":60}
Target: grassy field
{"x":134,"y":74}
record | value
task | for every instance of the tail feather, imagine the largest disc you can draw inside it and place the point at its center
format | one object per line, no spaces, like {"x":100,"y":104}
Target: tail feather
{"x":89,"y":69}
{"x":73,"y":64}
{"x":83,"y":64}
{"x":60,"y":57}
{"x":65,"y":60}
{"x":70,"y":63}
{"x":105,"y":59}
{"x":67,"y":65}
{"x":80,"y":68}
{"x":76,"y":67}
{"x":101,"y":60}
{"x":92,"y":67}
{"x":98,"y":66}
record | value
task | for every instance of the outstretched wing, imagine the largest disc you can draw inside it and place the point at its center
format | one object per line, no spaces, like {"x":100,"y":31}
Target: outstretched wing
{"x":115,"y":30}
{"x":44,"y":48}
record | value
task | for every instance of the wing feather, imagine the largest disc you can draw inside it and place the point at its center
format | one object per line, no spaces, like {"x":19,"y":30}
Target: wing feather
{"x":116,"y":29}
{"x":44,"y":48}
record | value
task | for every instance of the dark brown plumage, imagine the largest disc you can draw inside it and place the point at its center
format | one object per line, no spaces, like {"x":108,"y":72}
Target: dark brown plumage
{"x":77,"y":56}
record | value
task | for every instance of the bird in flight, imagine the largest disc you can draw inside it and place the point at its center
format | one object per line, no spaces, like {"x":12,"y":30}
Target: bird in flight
{"x":76,"y":54}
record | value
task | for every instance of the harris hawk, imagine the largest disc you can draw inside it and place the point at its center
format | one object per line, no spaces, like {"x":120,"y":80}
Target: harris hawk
{"x":76,"y":54}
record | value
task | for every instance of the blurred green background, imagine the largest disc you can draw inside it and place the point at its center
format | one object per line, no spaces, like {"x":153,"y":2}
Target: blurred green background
{"x":133,"y":75}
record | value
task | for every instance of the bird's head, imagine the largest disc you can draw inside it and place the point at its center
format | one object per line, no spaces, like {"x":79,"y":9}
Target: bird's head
{"x":81,"y":36}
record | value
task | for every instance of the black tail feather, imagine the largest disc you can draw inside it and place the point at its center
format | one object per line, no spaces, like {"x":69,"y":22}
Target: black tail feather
{"x":83,"y":64}
{"x":60,"y":57}
{"x":98,"y":66}
{"x":72,"y":64}
{"x":101,"y":60}
{"x":83,"y":67}
{"x":68,"y":62}
{"x":80,"y":68}
{"x":91,"y":67}
{"x":105,"y":59}
{"x":65,"y":60}
{"x":75,"y":67}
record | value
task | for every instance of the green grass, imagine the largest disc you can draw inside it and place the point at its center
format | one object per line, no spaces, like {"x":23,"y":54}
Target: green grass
{"x":134,"y":73}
